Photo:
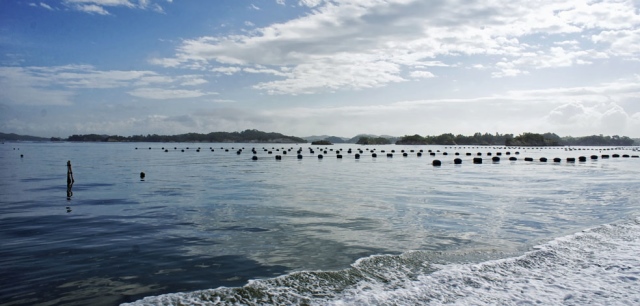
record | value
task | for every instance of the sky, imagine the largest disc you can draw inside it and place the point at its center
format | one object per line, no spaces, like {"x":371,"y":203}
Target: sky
{"x":320,"y":67}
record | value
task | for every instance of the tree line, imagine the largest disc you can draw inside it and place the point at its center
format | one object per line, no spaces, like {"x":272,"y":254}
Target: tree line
{"x":524,"y":139}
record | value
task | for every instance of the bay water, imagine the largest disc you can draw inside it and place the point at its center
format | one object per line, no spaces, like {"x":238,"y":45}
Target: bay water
{"x":208,"y":225}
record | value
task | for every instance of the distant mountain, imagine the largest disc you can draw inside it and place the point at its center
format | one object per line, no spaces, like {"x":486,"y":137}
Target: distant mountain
{"x":247,"y":136}
{"x":355,"y":139}
{"x":332,"y":139}
{"x":16,"y":137}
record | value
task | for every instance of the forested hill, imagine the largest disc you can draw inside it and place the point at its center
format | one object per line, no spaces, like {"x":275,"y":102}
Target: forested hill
{"x":247,"y":136}
{"x":16,"y":137}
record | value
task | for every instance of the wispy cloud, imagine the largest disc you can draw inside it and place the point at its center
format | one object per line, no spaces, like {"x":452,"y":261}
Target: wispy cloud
{"x":165,"y":94}
{"x":100,"y":6}
{"x":44,"y":5}
{"x":22,"y":86}
{"x":57,"y":85}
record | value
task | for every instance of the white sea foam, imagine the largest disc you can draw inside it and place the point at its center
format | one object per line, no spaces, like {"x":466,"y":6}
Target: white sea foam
{"x":599,"y":266}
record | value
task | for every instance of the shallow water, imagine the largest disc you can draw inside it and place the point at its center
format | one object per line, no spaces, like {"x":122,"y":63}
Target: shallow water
{"x":201,"y":220}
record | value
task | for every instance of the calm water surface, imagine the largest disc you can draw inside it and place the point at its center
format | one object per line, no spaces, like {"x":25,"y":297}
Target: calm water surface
{"x":202,"y":220}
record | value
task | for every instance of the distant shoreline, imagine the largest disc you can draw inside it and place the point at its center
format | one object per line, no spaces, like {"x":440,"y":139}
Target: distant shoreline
{"x":255,"y":136}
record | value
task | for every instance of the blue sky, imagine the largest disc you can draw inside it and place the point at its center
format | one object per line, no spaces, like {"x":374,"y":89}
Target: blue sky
{"x":312,"y":67}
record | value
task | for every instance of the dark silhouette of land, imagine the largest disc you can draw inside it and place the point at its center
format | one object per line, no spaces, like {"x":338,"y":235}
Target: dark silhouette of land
{"x":255,"y":136}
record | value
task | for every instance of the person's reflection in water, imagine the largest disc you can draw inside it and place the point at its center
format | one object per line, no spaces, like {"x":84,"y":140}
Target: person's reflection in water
{"x":70,"y":182}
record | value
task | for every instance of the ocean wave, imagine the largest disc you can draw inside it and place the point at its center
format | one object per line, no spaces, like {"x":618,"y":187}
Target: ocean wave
{"x":598,"y":266}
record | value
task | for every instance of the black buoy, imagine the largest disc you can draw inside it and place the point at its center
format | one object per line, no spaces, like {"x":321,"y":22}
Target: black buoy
{"x":557,"y":160}
{"x":338,"y":155}
{"x":468,"y":154}
{"x":374,"y":155}
{"x":405,"y":154}
{"x":543,"y":159}
{"x":594,"y":156}
{"x":165,"y":150}
{"x":571,"y":159}
{"x":436,"y":163}
{"x":477,"y":160}
{"x":299,"y":156}
{"x":582,"y":158}
{"x":142,"y":175}
{"x":21,"y":156}
{"x":278,"y":157}
{"x":254,"y":157}
{"x":605,"y":156}
{"x":457,"y":161}
{"x":357,"y":156}
{"x":389,"y":154}
{"x":495,"y":159}
{"x":419,"y":154}
{"x":513,"y":158}
{"x":529,"y":159}
{"x":320,"y":156}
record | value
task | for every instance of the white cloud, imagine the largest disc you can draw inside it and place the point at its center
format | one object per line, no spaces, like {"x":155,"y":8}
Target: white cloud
{"x":125,"y":3}
{"x":165,"y":62}
{"x":623,"y":43}
{"x":165,"y":94}
{"x":578,"y":118}
{"x":226,"y":70}
{"x":310,"y":3}
{"x":512,"y":37}
{"x":191,"y":80}
{"x":328,"y":75}
{"x":98,"y":6}
{"x":421,"y":74}
{"x":92,"y":9}
{"x":281,"y":2}
{"x":44,"y":5}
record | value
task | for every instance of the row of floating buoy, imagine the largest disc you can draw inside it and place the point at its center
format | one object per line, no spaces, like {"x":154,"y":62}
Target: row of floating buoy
{"x":358,"y":155}
{"x":479,"y":160}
